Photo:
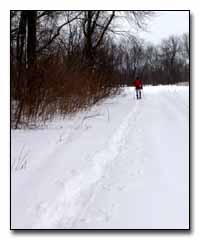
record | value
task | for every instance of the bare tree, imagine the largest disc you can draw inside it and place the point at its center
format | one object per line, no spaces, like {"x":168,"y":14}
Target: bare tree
{"x":55,"y":52}
{"x":31,"y":41}
{"x":169,"y":52}
{"x":96,"y":24}
{"x":185,"y":45}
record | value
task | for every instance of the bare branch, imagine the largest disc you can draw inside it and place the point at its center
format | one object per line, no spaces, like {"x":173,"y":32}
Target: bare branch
{"x":58,"y":32}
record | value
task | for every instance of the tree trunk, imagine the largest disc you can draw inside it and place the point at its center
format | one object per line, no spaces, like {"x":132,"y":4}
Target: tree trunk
{"x":31,"y":42}
{"x":88,"y":39}
{"x":21,"y":37}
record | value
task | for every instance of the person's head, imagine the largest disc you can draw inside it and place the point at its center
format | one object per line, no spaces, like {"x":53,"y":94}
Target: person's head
{"x":137,"y":78}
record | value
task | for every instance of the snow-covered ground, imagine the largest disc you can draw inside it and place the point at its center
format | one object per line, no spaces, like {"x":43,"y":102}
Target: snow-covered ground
{"x":122,"y":164}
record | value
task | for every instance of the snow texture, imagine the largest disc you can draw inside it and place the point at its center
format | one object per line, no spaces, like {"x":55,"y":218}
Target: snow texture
{"x":123,"y":164}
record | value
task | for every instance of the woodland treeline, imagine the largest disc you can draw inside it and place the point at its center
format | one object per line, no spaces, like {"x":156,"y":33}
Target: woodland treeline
{"x":66,"y":61}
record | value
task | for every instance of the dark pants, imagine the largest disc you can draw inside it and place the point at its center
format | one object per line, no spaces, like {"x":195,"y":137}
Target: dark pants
{"x":138,"y":93}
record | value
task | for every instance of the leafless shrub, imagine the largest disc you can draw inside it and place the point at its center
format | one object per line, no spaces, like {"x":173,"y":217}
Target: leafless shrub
{"x":56,"y":89}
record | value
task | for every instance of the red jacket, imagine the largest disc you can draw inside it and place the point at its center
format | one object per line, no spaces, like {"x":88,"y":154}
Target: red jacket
{"x":138,"y":84}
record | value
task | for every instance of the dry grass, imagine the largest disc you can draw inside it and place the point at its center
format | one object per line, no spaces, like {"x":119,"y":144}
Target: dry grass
{"x":51,"y":88}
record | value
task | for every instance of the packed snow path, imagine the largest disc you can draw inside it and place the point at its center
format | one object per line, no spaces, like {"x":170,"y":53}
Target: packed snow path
{"x":122,"y":165}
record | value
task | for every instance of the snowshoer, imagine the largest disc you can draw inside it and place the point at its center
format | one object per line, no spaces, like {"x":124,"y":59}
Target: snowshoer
{"x":138,"y":86}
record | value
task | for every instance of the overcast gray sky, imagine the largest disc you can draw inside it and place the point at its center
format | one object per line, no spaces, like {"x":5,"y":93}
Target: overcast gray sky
{"x":166,"y":23}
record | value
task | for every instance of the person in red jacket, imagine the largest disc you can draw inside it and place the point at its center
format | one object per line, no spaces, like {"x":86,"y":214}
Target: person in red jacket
{"x":138,"y":86}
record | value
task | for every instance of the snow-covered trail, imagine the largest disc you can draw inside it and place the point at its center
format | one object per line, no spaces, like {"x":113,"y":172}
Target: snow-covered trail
{"x":128,"y":167}
{"x":147,"y":185}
